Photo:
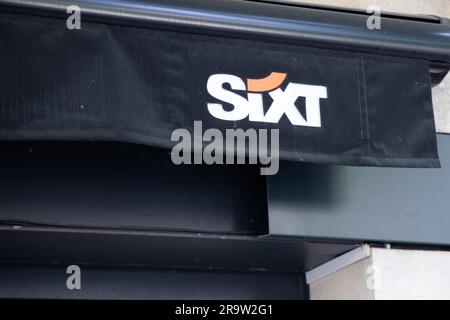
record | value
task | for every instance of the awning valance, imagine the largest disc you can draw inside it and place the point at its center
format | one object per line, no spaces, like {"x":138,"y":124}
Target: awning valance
{"x":138,"y":84}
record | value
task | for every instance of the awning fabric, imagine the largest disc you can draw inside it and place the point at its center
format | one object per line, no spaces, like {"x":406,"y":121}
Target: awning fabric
{"x":122,"y":83}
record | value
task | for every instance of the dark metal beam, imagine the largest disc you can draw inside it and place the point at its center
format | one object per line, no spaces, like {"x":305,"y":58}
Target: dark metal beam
{"x":418,"y":36}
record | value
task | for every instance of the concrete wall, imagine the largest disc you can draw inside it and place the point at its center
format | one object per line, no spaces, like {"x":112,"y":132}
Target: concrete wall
{"x":432,"y":7}
{"x":345,"y":284}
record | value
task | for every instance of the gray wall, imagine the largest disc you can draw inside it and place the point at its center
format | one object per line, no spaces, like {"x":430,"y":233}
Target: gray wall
{"x":372,"y":204}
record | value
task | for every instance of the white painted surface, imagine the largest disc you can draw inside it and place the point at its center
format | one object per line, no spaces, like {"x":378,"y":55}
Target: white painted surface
{"x":411,"y":274}
{"x":338,"y":263}
{"x":346,"y":284}
{"x":389,"y":274}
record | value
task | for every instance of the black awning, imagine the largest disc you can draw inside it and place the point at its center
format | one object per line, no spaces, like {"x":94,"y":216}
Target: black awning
{"x":138,"y":84}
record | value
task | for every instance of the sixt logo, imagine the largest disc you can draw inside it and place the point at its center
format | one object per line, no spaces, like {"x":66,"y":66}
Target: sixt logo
{"x":253,"y":108}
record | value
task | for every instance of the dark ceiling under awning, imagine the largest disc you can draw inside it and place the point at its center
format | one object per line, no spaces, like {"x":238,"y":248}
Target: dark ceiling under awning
{"x":137,"y":71}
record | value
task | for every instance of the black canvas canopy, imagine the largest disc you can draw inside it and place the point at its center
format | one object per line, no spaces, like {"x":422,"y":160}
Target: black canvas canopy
{"x":136,"y":71}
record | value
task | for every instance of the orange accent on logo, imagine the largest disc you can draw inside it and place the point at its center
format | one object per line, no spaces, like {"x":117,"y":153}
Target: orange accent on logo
{"x":272,"y":81}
